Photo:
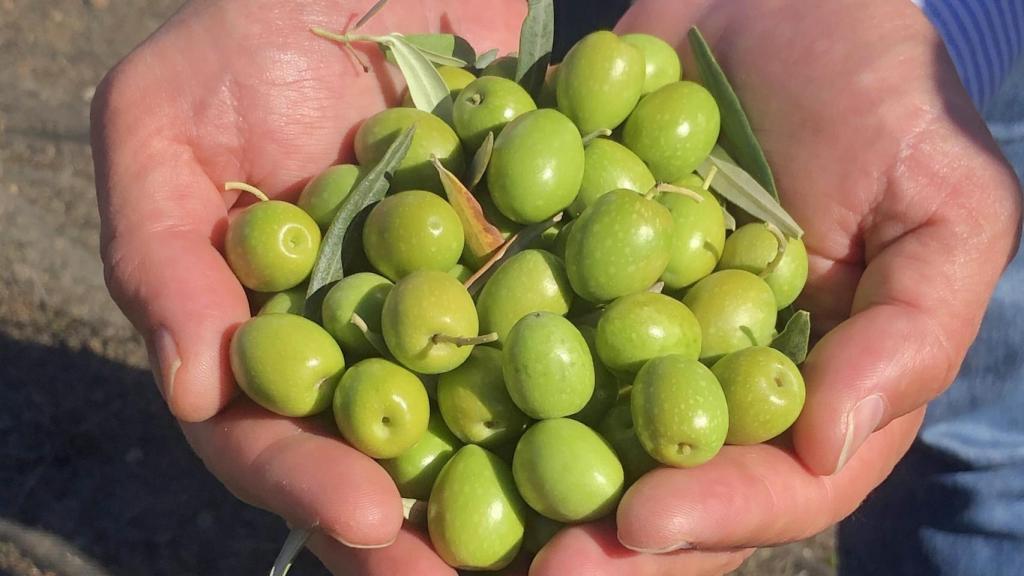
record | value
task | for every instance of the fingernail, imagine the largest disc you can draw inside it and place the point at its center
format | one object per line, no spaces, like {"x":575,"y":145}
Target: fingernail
{"x":665,"y":550}
{"x":861,"y":423}
{"x":361,"y":546}
{"x":164,"y":361}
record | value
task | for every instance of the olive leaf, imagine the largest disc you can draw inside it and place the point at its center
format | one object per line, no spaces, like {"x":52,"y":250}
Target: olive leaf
{"x":739,"y":136}
{"x":482,"y":237}
{"x":293,"y":544}
{"x":515,"y":244}
{"x":441,"y":49}
{"x":536,"y":37}
{"x":486,"y":58}
{"x":371,"y":188}
{"x":735,"y":185}
{"x":795,"y":337}
{"x":481,"y":160}
{"x":730,"y":220}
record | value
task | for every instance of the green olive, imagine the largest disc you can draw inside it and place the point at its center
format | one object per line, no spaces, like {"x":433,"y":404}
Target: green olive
{"x":661,"y":62}
{"x":415,"y":469}
{"x":286,"y":363}
{"x":504,"y":67}
{"x":412,"y":230}
{"x":475,"y":403}
{"x":609,"y":166}
{"x":618,"y":246}
{"x":272,"y":246}
{"x":645,"y":325}
{"x":606,"y":386}
{"x":673,"y":129}
{"x":363,"y":294}
{"x":536,"y":167}
{"x":432,"y":138}
{"x":735,"y":309}
{"x":487,"y":105}
{"x":290,"y":301}
{"x":422,"y":315}
{"x":531,"y":281}
{"x":599,"y":81}
{"x":764,"y":390}
{"x":323,"y":195}
{"x":752,"y":247}
{"x":699,"y":234}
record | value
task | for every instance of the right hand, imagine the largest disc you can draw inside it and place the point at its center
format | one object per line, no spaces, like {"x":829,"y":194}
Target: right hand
{"x":241,"y":90}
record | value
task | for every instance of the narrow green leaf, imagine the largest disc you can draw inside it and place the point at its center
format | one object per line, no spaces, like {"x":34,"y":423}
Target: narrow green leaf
{"x":442,"y":49}
{"x":481,"y":160}
{"x":730,"y":220}
{"x":369,"y":14}
{"x":536,"y":38}
{"x":293,"y":544}
{"x":739,"y":136}
{"x":371,"y":188}
{"x":739,"y":188}
{"x":486,"y":58}
{"x":795,"y":337}
{"x":426,"y":87}
{"x":515,"y":244}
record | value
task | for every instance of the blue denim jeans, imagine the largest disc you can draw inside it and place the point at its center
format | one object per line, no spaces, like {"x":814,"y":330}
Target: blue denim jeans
{"x":955,"y":504}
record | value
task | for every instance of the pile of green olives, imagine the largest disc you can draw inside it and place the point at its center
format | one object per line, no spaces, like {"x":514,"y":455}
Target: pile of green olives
{"x":634,"y":333}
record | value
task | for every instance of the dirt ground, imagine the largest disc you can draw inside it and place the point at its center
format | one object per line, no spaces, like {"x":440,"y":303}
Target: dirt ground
{"x":94,"y":477}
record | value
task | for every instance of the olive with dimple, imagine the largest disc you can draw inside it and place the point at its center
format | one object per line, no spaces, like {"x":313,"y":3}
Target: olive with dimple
{"x":764,"y":391}
{"x":475,"y":403}
{"x":272,"y":246}
{"x":412,"y":230}
{"x":432,"y":138}
{"x":487,"y":105}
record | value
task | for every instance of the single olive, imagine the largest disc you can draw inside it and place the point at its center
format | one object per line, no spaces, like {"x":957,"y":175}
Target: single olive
{"x":381,"y":408}
{"x":617,"y":429}
{"x":454,"y":78}
{"x":432,"y":138}
{"x":661,"y":62}
{"x":530,"y":281}
{"x":764,"y":390}
{"x":286,"y":363}
{"x":290,"y":301}
{"x":679,"y":411}
{"x":752,"y":247}
{"x":272,"y":246}
{"x":608,"y":166}
{"x":461,"y":272}
{"x":487,"y":105}
{"x":618,"y":246}
{"x":548,"y":97}
{"x":606,"y":386}
{"x":536,"y":167}
{"x":504,"y":67}
{"x":323,"y":195}
{"x":599,"y":81}
{"x":735,"y":309}
{"x":673,"y":129}
{"x":699,"y":234}
{"x":424,"y":317}
{"x":363,"y":294}
{"x":415,"y":470}
{"x":645,"y":325}
{"x":476,"y":405}
{"x":562,"y":239}
{"x":412,"y":230}
{"x":547,"y":365}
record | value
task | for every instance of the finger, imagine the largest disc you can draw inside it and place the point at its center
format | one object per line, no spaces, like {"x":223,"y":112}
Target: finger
{"x":593,"y":550}
{"x":410,"y":553}
{"x":301,"y":471}
{"x":753,"y":496}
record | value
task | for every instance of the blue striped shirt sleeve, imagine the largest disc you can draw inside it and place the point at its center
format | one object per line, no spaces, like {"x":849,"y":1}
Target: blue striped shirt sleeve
{"x":984,"y":38}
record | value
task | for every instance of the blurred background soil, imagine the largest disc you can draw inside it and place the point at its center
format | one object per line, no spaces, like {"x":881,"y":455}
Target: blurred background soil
{"x":95,"y":478}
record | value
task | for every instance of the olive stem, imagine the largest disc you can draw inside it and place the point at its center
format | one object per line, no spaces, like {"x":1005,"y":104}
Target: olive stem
{"x":293,"y":544}
{"x":228,"y":186}
{"x":347,"y":39}
{"x":711,"y":176}
{"x":372,"y":337}
{"x":682,"y":190}
{"x":464,"y":340}
{"x":415,"y":511}
{"x":475,"y":99}
{"x":595,"y":135}
{"x":783,"y":244}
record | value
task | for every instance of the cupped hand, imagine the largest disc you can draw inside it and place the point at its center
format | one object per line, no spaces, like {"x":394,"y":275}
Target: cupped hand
{"x":241,"y":90}
{"x":910,"y":216}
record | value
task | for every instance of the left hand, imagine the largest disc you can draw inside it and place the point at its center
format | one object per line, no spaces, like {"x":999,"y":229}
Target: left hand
{"x":910,"y":214}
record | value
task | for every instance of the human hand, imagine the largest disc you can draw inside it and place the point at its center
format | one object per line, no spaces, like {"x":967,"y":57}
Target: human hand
{"x":910,"y":216}
{"x":241,"y":90}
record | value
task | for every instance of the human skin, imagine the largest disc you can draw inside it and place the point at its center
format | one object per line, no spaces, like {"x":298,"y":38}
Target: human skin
{"x":910,"y":213}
